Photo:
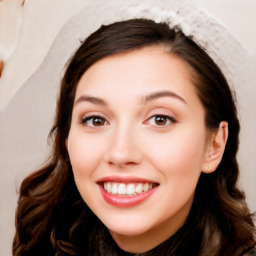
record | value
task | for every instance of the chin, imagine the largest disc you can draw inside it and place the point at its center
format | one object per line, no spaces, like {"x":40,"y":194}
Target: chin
{"x":126,"y":231}
{"x":127,"y":228}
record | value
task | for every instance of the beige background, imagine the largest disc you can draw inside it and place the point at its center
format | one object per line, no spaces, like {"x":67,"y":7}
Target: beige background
{"x":42,"y":20}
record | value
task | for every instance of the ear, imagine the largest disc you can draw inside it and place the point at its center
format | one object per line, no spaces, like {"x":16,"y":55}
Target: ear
{"x":215,"y":148}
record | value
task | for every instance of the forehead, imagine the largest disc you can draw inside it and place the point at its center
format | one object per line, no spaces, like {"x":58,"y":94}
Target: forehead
{"x":138,"y":71}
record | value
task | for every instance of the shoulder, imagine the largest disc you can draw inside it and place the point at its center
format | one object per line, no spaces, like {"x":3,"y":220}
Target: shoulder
{"x":251,"y":252}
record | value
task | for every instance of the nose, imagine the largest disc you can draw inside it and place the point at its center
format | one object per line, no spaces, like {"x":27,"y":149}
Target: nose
{"x":124,"y":148}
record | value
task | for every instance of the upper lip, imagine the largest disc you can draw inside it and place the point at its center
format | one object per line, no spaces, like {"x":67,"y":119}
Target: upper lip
{"x":125,"y":179}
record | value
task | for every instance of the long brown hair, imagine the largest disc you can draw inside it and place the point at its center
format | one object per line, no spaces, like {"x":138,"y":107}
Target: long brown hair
{"x":51,"y":215}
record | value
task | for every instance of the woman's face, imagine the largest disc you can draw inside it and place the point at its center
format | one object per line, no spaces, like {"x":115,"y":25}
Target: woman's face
{"x":138,"y":144}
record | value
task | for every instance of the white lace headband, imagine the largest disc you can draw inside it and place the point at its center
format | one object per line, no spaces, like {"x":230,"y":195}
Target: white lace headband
{"x":213,"y":37}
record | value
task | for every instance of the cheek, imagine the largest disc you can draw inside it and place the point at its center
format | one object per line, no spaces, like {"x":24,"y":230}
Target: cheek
{"x":178,"y":154}
{"x":84,"y":156}
{"x":179,"y":160}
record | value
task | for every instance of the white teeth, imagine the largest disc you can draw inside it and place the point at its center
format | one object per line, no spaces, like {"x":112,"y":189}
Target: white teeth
{"x":109,"y":187}
{"x":145,"y":187}
{"x":126,"y":189}
{"x":114,"y":189}
{"x":121,"y":189}
{"x":130,"y":189}
{"x":138,"y":188}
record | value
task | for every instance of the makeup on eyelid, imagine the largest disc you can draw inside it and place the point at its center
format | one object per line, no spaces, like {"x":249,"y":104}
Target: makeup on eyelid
{"x":99,"y":121}
{"x":156,"y":120}
{"x":157,"y":117}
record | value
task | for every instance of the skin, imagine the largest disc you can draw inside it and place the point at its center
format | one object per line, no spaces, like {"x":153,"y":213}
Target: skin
{"x":129,"y":142}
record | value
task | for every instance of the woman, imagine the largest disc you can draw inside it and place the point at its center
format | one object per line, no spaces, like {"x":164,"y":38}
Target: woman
{"x":144,"y":157}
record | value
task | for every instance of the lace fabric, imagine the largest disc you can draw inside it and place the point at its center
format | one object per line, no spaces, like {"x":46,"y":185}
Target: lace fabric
{"x":208,"y":33}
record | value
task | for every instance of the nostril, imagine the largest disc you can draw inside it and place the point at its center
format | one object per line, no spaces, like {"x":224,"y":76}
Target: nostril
{"x":122,"y":164}
{"x":123,"y":158}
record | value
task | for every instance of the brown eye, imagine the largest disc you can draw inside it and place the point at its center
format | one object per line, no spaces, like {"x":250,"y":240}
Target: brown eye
{"x":93,"y":121}
{"x":161,"y":120}
{"x":98,"y":121}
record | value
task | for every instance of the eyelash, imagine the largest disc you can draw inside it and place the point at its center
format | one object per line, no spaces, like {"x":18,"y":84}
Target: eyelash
{"x":93,"y":118}
{"x":167,"y":118}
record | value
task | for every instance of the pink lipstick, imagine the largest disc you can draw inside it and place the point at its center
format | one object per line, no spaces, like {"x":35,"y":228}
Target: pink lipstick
{"x":126,"y":191}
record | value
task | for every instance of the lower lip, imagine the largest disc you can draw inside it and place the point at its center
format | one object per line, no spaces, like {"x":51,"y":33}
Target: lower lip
{"x":126,"y":201}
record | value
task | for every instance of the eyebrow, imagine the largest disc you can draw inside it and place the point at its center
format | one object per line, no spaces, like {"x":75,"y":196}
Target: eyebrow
{"x":91,"y":99}
{"x":159,"y":94}
{"x":144,"y":100}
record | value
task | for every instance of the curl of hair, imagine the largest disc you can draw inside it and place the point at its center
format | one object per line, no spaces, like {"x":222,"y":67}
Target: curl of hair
{"x":51,"y":217}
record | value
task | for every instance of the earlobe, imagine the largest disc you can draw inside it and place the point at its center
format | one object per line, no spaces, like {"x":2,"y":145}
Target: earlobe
{"x":216,"y":148}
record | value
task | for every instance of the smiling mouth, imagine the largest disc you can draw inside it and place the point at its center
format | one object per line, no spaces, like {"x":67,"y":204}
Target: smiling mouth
{"x":127,"y":189}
